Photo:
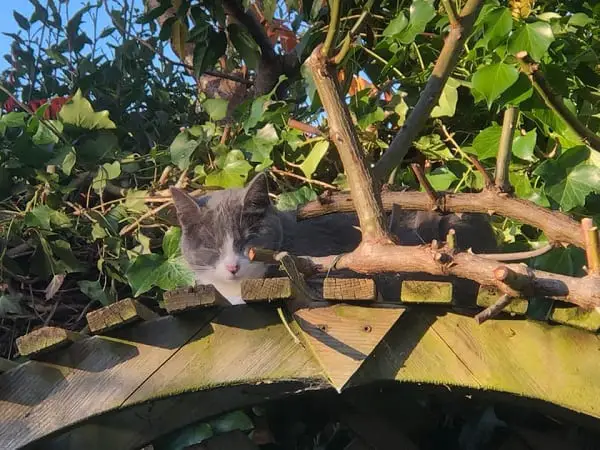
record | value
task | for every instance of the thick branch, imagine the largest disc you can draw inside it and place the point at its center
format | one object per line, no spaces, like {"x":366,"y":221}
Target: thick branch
{"x":505,"y":149}
{"x":342,"y":132}
{"x":555,"y":102}
{"x":557,"y":227}
{"x":429,"y":97}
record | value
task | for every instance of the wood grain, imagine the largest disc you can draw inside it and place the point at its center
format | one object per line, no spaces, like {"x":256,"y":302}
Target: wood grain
{"x":586,"y":319}
{"x":44,"y":340}
{"x":6,"y":365}
{"x":349,"y":289}
{"x":488,"y":295}
{"x":117,"y":315}
{"x":190,"y":299}
{"x":342,"y":336}
{"x":431,"y":292}
{"x":266,"y":289}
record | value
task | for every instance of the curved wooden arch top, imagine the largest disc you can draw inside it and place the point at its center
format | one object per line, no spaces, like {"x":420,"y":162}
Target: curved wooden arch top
{"x":141,"y":382}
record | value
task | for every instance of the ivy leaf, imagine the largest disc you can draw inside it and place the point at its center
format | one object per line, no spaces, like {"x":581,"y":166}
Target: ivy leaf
{"x":44,"y":135}
{"x":421,"y":13}
{"x":106,"y":172}
{"x":182,"y":148}
{"x":141,"y":274}
{"x":572,"y":191}
{"x":523,"y":146}
{"x":234,"y":172}
{"x":396,"y":26}
{"x":447,"y":104}
{"x":171,"y":242}
{"x":94,"y":290}
{"x":38,"y":217}
{"x":216,"y":108}
{"x":13,"y":119}
{"x":261,"y":145}
{"x":78,"y":112}
{"x":10,"y":304}
{"x":291,"y":200}
{"x":534,"y":38}
{"x":491,"y":81}
{"x":310,"y":164}
{"x":173,"y":273}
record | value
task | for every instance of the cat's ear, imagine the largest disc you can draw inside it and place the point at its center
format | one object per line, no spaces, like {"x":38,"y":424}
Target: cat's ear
{"x":257,"y":193}
{"x":188,"y":210}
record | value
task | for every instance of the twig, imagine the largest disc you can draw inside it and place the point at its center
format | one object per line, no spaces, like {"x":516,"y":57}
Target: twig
{"x":451,"y":13}
{"x":451,"y":238}
{"x":425,"y":184}
{"x":592,"y":249}
{"x":518,"y":256}
{"x":129,"y":228}
{"x":334,"y":21}
{"x":558,"y":227}
{"x":555,"y":102}
{"x":492,"y":311}
{"x":301,"y":178}
{"x":343,"y":134}
{"x":304,"y":127}
{"x":429,"y":98}
{"x":505,"y":149}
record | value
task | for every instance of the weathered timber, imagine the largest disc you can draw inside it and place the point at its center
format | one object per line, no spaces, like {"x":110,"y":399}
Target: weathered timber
{"x":44,"y":340}
{"x":341,"y":336}
{"x":189,"y":299}
{"x":158,"y":376}
{"x":349,"y":289}
{"x":586,"y":319}
{"x":117,"y":315}
{"x":488,"y":295}
{"x":6,"y":365}
{"x":266,"y":289}
{"x":431,"y":292}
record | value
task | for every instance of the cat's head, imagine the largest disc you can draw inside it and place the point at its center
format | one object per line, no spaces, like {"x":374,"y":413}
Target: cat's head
{"x":218,"y":229}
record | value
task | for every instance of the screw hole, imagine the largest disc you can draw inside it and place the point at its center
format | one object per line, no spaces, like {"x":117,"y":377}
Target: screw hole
{"x":367,"y":328}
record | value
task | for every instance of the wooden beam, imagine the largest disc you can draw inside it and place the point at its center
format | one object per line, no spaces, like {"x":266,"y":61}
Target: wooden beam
{"x":577,"y":317}
{"x":187,"y":299}
{"x":266,"y":289}
{"x":118,"y":314}
{"x":431,"y":292}
{"x":488,"y":295}
{"x":349,"y":289}
{"x":44,"y":340}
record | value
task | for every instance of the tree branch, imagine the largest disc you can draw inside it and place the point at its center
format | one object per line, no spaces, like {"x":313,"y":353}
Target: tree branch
{"x":493,"y":310}
{"x":555,"y":102}
{"x":429,"y":97}
{"x":592,"y":248}
{"x":505,"y":149}
{"x":558,"y":227}
{"x":334,"y":22}
{"x":343,"y":134}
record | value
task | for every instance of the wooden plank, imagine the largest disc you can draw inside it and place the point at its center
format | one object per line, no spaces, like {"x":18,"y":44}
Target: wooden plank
{"x":349,"y":289}
{"x":89,"y":377}
{"x":431,"y":292}
{"x":342,"y":336}
{"x":117,"y":315}
{"x":44,"y":340}
{"x":266,"y":289}
{"x":189,"y":299}
{"x":577,"y":317}
{"x":488,"y":295}
{"x":6,"y":365}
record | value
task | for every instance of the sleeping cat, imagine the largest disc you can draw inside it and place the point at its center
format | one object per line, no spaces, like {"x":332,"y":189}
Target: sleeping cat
{"x":217,"y":229}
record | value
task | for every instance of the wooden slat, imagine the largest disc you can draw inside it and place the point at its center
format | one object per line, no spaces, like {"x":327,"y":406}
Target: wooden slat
{"x":577,"y":317}
{"x":349,"y":289}
{"x":342,"y":336}
{"x":6,"y":365}
{"x":118,"y":314}
{"x":488,"y":295}
{"x":431,"y":292}
{"x":189,"y":299}
{"x":266,"y":289}
{"x":44,"y":340}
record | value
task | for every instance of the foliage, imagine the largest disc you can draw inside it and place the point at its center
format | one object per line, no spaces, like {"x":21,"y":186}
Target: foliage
{"x":110,"y":123}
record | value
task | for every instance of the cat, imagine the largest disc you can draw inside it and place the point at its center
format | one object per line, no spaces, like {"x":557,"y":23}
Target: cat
{"x":217,"y":230}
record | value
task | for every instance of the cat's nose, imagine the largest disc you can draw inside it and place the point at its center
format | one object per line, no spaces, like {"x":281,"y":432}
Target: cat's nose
{"x":233,"y":268}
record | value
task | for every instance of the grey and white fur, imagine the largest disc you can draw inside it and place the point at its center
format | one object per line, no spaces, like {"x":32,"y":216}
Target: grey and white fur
{"x":217,"y":230}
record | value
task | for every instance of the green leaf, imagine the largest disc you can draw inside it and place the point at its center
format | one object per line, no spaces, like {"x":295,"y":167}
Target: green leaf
{"x":580,"y":20}
{"x":174,"y":273}
{"x":520,"y":91}
{"x":78,"y":112}
{"x":374,"y":116}
{"x":485,"y":144}
{"x":396,"y":26}
{"x":171,"y":242}
{"x":235,"y":420}
{"x":261,"y":146}
{"x":310,"y":164}
{"x":523,"y":146}
{"x":38,"y":217}
{"x":291,"y":200}
{"x":234,"y":172}
{"x":245,"y":45}
{"x":447,"y":104}
{"x":421,"y":13}
{"x":21,"y":20}
{"x":182,"y":148}
{"x":433,"y":147}
{"x":496,"y":25}
{"x":142,"y":274}
{"x":65,"y":158}
{"x":574,"y":189}
{"x":14,"y":119}
{"x":441,"y":178}
{"x":535,"y":38}
{"x":44,"y":135}
{"x":216,"y":108}
{"x":94,"y":290}
{"x":106,"y":172}
{"x":208,"y":50}
{"x":11,"y":304}
{"x":493,"y":80}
